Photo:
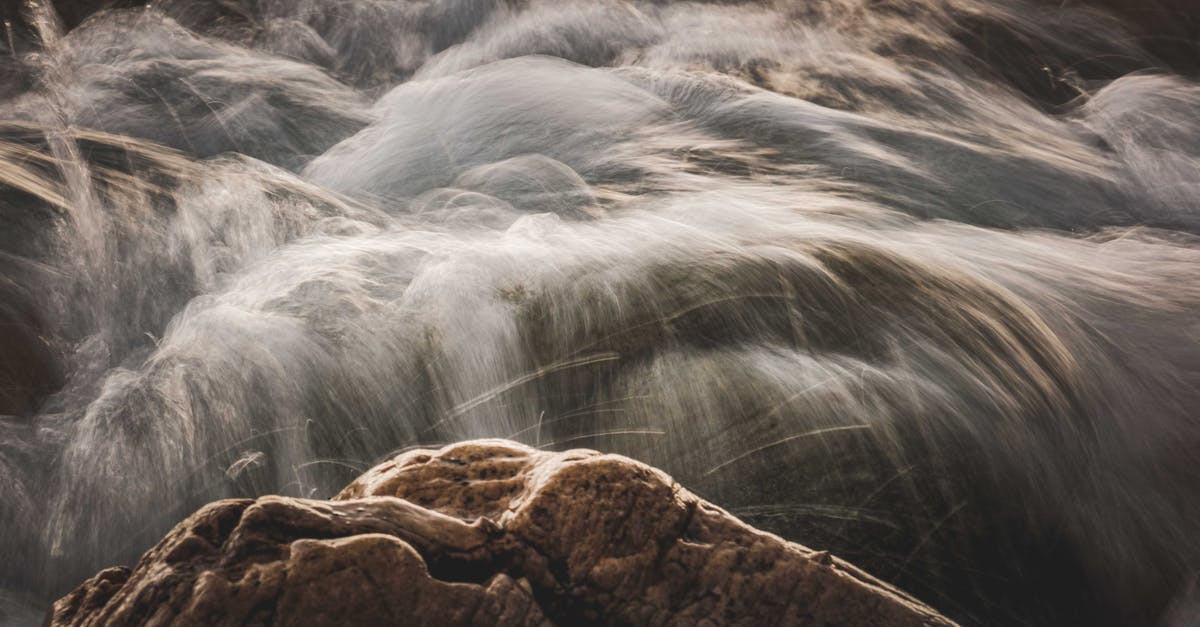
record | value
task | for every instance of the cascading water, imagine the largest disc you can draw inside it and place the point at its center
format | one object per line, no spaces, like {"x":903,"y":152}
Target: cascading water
{"x":917,"y":281}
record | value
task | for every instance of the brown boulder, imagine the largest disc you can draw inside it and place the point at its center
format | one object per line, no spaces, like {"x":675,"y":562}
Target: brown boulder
{"x":486,"y":533}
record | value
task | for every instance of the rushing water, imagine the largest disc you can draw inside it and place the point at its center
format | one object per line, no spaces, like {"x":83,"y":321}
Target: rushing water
{"x":917,"y":281}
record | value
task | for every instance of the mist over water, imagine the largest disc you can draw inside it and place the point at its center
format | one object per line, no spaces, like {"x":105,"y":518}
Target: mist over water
{"x":915,"y":281}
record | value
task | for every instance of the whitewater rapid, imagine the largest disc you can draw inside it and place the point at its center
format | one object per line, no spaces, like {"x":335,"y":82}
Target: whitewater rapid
{"x":914,"y":281}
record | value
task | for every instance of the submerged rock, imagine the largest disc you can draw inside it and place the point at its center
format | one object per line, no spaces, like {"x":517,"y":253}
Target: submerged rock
{"x":486,"y":532}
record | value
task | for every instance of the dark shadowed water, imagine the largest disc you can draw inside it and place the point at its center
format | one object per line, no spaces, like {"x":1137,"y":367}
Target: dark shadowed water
{"x":916,"y":281}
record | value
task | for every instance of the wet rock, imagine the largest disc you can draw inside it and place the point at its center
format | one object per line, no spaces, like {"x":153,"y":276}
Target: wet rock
{"x":486,"y":532}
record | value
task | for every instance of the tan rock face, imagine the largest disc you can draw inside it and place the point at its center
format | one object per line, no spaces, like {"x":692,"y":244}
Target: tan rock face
{"x":486,"y":533}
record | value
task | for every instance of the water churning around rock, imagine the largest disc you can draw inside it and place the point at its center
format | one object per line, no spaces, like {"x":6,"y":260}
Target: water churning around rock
{"x":914,"y":281}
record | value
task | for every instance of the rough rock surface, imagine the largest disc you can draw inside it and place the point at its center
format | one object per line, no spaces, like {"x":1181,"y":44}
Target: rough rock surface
{"x":486,"y":533}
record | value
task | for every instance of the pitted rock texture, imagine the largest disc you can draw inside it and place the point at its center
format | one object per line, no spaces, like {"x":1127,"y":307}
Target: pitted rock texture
{"x":486,"y":533}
